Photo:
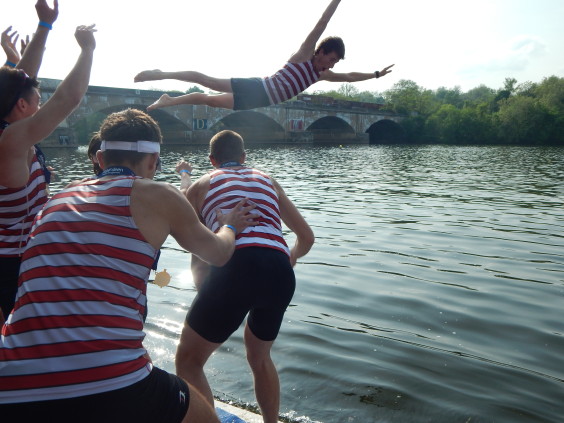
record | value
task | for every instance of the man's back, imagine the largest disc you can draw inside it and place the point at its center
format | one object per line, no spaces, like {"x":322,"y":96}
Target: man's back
{"x":82,"y":288}
{"x":227,"y":186}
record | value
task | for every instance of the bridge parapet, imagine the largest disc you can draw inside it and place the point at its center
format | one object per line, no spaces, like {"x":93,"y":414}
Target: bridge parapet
{"x":305,"y":119}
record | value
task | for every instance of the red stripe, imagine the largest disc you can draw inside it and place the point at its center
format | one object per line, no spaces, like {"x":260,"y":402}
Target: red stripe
{"x":75,"y":295}
{"x":95,"y":249}
{"x":262,"y":246}
{"x":71,"y":321}
{"x":293,"y":76}
{"x":85,"y":226}
{"x":21,"y":201}
{"x":88,"y":207}
{"x":68,"y":348}
{"x":54,"y":379}
{"x":87,"y":271}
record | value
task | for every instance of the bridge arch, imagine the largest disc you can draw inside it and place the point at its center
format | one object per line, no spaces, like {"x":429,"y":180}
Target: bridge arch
{"x":331,"y":129}
{"x":253,"y":126}
{"x":385,"y":131}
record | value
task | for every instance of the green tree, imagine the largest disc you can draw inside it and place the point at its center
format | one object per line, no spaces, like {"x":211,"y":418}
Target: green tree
{"x":406,"y":97}
{"x":450,"y":96}
{"x":479,"y":95}
{"x":194,"y":89}
{"x":348,"y":91}
{"x":524,"y":120}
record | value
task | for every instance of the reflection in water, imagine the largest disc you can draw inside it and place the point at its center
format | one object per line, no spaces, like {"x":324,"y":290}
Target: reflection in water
{"x":433,"y":293}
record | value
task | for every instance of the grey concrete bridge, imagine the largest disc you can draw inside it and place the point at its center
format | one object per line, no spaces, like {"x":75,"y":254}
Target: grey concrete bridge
{"x":306,"y":119}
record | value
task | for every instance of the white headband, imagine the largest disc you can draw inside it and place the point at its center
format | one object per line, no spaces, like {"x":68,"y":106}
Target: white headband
{"x":139,"y":146}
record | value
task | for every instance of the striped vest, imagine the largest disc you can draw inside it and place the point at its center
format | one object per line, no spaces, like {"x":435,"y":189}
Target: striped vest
{"x":289,"y":81}
{"x":228,"y":187}
{"x":77,"y":325}
{"x":18,"y":208}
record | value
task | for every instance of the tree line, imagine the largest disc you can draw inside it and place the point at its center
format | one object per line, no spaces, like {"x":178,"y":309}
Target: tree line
{"x":517,"y":114}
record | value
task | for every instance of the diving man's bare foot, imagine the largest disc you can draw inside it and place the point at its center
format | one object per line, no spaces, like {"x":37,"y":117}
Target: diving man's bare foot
{"x":148,"y":75}
{"x":164,"y":101}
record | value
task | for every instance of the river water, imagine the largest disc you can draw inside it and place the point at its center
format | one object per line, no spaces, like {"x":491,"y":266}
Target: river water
{"x":434,"y":292}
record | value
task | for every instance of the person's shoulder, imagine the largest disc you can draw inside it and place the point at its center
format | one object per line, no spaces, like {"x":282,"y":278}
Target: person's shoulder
{"x":200,"y":186}
{"x":152,"y":185}
{"x":259,"y":171}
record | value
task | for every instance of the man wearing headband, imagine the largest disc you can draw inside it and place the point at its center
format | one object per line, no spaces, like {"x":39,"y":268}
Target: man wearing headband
{"x":83,"y":287}
{"x":23,"y":174}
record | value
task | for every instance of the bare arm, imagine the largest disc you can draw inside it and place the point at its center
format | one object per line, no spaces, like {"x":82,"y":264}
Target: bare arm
{"x":19,"y":137}
{"x":9,"y":46}
{"x":33,"y":54}
{"x":308,"y":46}
{"x":296,"y":223}
{"x":331,"y":76}
{"x":160,"y":210}
{"x":185,"y":170}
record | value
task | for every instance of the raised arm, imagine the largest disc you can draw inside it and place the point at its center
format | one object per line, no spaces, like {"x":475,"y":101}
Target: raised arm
{"x":296,"y":223}
{"x":185,"y":171}
{"x":331,"y":76}
{"x":308,"y":46}
{"x":9,"y":46}
{"x":20,"y":136}
{"x":33,"y":54}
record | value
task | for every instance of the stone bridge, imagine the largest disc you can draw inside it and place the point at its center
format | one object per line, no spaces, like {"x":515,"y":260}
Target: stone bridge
{"x":306,"y":119}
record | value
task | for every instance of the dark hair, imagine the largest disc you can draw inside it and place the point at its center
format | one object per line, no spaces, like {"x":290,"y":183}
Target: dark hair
{"x":226,"y":146}
{"x":93,"y":147}
{"x":332,"y":44}
{"x":128,"y":125}
{"x":14,"y":84}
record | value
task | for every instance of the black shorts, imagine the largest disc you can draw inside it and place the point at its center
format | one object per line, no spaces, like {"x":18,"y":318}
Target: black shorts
{"x":159,"y":398}
{"x":258,"y":281}
{"x":248,"y":93}
{"x":8,"y":283}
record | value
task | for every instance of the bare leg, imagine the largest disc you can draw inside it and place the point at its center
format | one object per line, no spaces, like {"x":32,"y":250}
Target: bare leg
{"x":199,"y":410}
{"x":222,"y":85}
{"x":267,"y":385}
{"x":224,"y":101}
{"x":191,"y":356}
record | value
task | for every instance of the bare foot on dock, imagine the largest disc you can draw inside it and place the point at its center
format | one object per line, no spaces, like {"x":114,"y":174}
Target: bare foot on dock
{"x":148,"y":75}
{"x":164,"y":101}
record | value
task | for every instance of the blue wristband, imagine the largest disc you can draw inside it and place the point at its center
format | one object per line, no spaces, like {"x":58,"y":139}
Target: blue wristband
{"x":232,"y":228}
{"x":11,"y":64}
{"x":46,"y":25}
{"x":186,"y":171}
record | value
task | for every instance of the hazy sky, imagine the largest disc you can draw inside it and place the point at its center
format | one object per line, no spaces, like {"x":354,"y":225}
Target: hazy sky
{"x":434,"y":43}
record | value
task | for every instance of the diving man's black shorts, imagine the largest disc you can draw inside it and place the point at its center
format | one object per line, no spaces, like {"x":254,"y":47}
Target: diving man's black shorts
{"x":256,"y":280}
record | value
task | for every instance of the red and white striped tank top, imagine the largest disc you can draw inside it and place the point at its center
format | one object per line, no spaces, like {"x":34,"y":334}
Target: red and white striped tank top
{"x":289,"y":81}
{"x":18,"y":208}
{"x":77,"y":326}
{"x":228,"y":187}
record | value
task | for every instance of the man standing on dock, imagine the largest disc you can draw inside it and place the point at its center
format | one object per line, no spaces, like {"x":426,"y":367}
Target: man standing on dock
{"x":258,"y":280}
{"x":72,"y":348}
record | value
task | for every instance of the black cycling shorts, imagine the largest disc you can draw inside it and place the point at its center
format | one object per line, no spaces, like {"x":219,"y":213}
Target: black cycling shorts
{"x":159,"y":398}
{"x":256,"y":280}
